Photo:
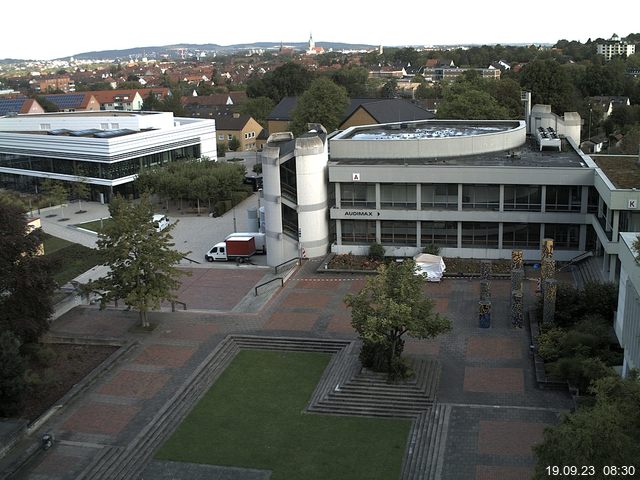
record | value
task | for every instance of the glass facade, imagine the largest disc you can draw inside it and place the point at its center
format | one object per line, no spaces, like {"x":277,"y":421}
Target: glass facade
{"x":358,"y":232}
{"x":521,"y":235}
{"x":288,"y":182}
{"x":401,"y":196}
{"x":105,"y":170}
{"x":561,"y":198}
{"x":439,"y":196}
{"x":522,"y":198}
{"x":358,"y":195}
{"x":289,"y":221}
{"x":398,"y":233}
{"x":565,"y":237}
{"x":479,"y":235}
{"x":443,"y":234}
{"x":481,"y":197}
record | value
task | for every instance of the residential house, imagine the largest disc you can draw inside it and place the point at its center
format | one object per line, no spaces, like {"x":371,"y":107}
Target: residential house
{"x":242,"y":127}
{"x":361,"y":111}
{"x":608,"y":103}
{"x":19,"y":105}
{"x":54,"y":83}
{"x":73,"y":102}
{"x":127,"y":100}
{"x":615,"y":47}
{"x":212,"y":106}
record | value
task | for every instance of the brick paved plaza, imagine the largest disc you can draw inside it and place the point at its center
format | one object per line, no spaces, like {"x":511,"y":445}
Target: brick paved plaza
{"x":497,"y":412}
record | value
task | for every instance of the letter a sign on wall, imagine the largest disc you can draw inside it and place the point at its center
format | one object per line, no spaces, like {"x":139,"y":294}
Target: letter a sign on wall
{"x":356,"y":177}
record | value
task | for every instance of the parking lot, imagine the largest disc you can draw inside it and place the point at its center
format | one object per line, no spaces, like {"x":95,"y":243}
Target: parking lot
{"x":192,"y":233}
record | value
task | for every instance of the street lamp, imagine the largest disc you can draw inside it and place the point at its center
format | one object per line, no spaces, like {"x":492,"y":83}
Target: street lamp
{"x":590,"y":111}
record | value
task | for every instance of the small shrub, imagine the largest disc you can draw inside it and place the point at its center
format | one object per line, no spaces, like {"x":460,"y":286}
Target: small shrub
{"x":549,"y":344}
{"x":38,"y":353}
{"x":580,"y":371}
{"x":431,"y":249}
{"x":376,"y":252}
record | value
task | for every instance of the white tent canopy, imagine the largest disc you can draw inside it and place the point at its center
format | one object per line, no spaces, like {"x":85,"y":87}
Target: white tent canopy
{"x":432,"y":267}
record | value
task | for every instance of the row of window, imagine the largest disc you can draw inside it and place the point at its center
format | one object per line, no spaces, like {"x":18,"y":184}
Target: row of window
{"x":403,"y":196}
{"x":107,"y":170}
{"x":474,"y":234}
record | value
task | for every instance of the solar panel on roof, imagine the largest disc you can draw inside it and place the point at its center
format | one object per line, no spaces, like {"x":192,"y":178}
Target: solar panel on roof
{"x":114,"y":133}
{"x":83,"y":133}
{"x":71,"y":100}
{"x":58,"y":131}
{"x":10,"y":105}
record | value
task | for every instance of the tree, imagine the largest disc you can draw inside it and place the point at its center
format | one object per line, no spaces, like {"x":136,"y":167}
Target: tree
{"x":234,"y":144}
{"x":151,"y":103}
{"x":142,"y":261}
{"x":391,"y":305}
{"x":80,"y":189}
{"x":324,"y":103}
{"x":354,"y":79}
{"x":465,"y":102}
{"x":606,"y":434}
{"x":12,"y":370}
{"x":259,"y":108}
{"x":288,"y":80}
{"x":549,"y":84}
{"x":172,"y":103}
{"x":56,"y":191}
{"x":26,"y":283}
{"x":221,"y":149}
{"x":390,"y":89}
{"x":636,"y":247}
{"x":47,"y":105}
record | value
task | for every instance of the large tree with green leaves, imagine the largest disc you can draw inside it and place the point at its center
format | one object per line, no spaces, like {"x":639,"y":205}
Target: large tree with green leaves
{"x":259,"y":108}
{"x":142,"y":262}
{"x":26,"y":283}
{"x":12,"y":370}
{"x":391,"y":305}
{"x":288,"y":80}
{"x":550,"y":84}
{"x":603,"y":435}
{"x":324,"y":102}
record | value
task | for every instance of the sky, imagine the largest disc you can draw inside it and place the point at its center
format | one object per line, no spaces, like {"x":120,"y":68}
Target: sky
{"x":44,"y":30}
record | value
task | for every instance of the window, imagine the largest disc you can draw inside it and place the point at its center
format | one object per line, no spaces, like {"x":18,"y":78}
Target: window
{"x":398,"y":233}
{"x":229,"y":137}
{"x":358,"y":232}
{"x":439,"y":196}
{"x":522,"y":197}
{"x":592,"y":202}
{"x":521,"y":235}
{"x":563,"y":199}
{"x":220,"y":137}
{"x":104,"y":126}
{"x":479,"y":235}
{"x":45,"y":126}
{"x":480,"y":197}
{"x":565,"y":237}
{"x":401,"y":196}
{"x":443,"y":234}
{"x":360,"y":195}
{"x":115,"y":126}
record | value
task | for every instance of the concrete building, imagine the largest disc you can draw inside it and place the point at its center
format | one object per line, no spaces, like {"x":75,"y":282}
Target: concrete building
{"x":242,"y":127}
{"x":105,"y":148}
{"x":476,"y":189}
{"x":615,"y":47}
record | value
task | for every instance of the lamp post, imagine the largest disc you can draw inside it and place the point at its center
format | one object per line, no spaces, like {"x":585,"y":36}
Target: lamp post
{"x":590,"y":111}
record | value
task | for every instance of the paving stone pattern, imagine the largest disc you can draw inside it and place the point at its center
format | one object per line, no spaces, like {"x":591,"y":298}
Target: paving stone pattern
{"x":487,"y":413}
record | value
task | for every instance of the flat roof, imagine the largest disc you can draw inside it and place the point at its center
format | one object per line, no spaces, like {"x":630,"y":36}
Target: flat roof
{"x":427,"y":130}
{"x":622,"y":170}
{"x":91,"y":113}
{"x":527,"y":155}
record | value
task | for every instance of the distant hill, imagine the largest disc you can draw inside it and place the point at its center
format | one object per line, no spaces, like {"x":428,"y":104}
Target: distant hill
{"x":159,"y":51}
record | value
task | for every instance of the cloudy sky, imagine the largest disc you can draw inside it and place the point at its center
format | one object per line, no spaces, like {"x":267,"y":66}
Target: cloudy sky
{"x":45,"y":30}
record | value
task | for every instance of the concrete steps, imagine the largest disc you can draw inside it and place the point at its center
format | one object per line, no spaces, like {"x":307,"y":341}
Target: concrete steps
{"x":349,"y":390}
{"x":424,"y":456}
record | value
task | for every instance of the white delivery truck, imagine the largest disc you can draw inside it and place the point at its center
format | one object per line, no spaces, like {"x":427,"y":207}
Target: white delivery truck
{"x":260,"y":238}
{"x":239,"y":249}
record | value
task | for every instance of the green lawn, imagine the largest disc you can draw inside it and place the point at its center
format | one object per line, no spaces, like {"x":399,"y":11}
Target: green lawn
{"x":94,"y":225}
{"x":253,"y":417}
{"x":69,"y":259}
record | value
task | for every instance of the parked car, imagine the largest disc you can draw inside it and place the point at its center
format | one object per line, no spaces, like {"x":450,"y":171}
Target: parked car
{"x":238,"y":248}
{"x":160,"y":221}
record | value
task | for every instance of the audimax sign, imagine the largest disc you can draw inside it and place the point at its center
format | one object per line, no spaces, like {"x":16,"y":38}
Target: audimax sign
{"x":361,"y":213}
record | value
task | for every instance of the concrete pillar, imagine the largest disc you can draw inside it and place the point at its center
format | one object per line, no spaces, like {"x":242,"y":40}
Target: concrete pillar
{"x":338,"y":195}
{"x":339,"y":232}
{"x":517,"y":279}
{"x":459,"y":198}
{"x":378,"y":198}
{"x":613,"y":267}
{"x":543,"y":200}
{"x":615,"y":225}
{"x":501,"y":204}
{"x":584,"y":200}
{"x":582,"y":241}
{"x":459,"y":235}
{"x":500,"y":234}
{"x":418,"y":196}
{"x":418,"y":234}
{"x":378,"y":232}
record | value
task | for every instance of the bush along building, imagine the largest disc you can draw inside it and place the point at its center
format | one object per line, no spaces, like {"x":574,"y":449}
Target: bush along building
{"x":476,"y":189}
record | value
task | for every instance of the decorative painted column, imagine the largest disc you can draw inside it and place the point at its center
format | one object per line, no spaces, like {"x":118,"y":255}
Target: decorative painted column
{"x":516,"y":309}
{"x":547,"y":264}
{"x":549,"y":290}
{"x":484,"y":314}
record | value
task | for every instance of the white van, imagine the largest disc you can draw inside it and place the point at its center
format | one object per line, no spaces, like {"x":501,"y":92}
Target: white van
{"x":160,"y":222}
